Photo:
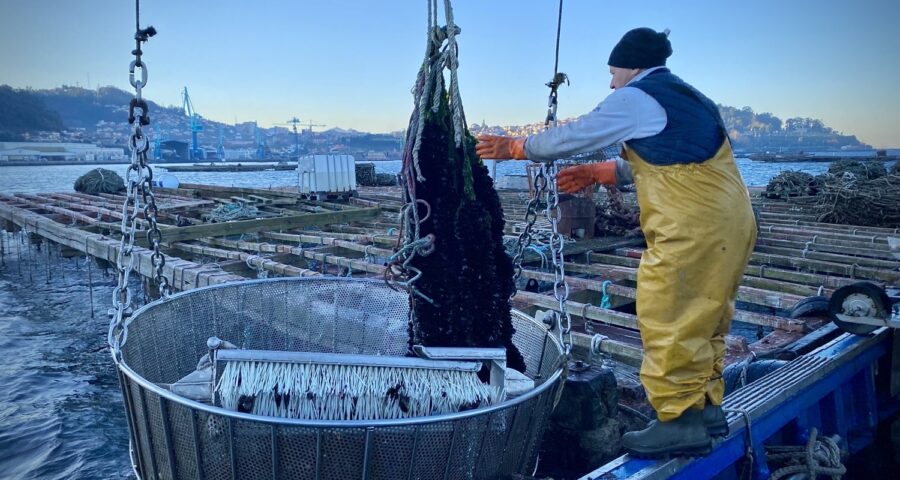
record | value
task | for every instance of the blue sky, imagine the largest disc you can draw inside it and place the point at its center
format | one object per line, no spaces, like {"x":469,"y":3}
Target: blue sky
{"x":351,"y":64}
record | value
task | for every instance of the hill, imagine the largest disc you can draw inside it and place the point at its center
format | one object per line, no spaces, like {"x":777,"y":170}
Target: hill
{"x":766,"y":132}
{"x":23,"y":111}
{"x":78,"y":114}
{"x":748,"y":131}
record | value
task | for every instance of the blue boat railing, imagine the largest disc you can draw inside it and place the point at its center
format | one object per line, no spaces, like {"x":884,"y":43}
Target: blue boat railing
{"x":832,"y":389}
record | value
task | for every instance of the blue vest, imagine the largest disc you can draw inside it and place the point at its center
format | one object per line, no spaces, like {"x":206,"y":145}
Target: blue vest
{"x":694,"y":129}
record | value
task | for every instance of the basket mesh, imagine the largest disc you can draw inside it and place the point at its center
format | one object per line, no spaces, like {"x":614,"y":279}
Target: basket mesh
{"x":177,"y":438}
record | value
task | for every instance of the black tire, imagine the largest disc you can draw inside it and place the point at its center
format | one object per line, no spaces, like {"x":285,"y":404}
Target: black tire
{"x":810,"y":307}
{"x":875,"y":293}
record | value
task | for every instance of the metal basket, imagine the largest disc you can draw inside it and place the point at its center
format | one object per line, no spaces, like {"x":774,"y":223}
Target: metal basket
{"x":173,"y":437}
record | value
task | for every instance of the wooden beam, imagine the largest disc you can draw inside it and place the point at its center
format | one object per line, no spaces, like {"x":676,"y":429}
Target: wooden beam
{"x":745,"y":294}
{"x":251,"y":260}
{"x":182,"y":274}
{"x":309,"y":254}
{"x":745,"y":316}
{"x":629,"y":257}
{"x":331,"y":240}
{"x":249,"y":226}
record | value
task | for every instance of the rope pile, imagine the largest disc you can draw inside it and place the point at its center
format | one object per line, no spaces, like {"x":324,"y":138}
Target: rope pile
{"x":99,"y":180}
{"x":793,"y":183}
{"x":820,"y":456}
{"x":615,"y":218}
{"x":855,"y":200}
{"x":367,"y":177}
{"x":232,"y":211}
{"x":860,"y":170}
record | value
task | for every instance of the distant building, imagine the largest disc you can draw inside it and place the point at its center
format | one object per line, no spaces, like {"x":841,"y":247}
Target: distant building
{"x":50,"y":152}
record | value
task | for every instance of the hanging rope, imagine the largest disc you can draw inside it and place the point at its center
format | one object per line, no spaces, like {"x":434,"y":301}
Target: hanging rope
{"x":441,"y":52}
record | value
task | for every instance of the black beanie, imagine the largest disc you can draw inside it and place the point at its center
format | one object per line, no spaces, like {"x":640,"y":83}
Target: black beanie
{"x":641,"y":48}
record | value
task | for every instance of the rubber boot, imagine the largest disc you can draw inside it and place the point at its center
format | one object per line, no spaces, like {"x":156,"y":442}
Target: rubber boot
{"x":714,"y":418}
{"x":686,"y":435}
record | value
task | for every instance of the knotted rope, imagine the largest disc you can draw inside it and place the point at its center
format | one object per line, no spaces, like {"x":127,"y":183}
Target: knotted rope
{"x":820,"y":456}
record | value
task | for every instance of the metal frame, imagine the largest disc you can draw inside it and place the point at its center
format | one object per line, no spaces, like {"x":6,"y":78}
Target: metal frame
{"x":163,"y":445}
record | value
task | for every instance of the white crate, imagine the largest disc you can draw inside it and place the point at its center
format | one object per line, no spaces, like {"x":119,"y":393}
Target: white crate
{"x":323,"y":174}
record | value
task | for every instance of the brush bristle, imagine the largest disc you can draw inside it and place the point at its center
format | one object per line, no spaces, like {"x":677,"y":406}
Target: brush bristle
{"x":349,"y":392}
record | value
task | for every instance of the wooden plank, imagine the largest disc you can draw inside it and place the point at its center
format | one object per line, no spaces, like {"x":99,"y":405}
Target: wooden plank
{"x":616,"y":273}
{"x":811,"y":254}
{"x":753,"y":318}
{"x":864,"y":248}
{"x":225,"y":190}
{"x":755,"y":296}
{"x":182,"y":274}
{"x":329,"y":258}
{"x":168,"y":203}
{"x":619,"y":351}
{"x":251,"y":260}
{"x":630,"y":256}
{"x":382,"y":239}
{"x":38,"y":202}
{"x":330,"y":240}
{"x":249,"y":226}
{"x":828,"y":282}
{"x":838,"y":232}
{"x":584,"y":310}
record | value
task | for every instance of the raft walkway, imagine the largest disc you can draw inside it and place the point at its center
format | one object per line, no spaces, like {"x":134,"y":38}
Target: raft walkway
{"x":795,"y":257}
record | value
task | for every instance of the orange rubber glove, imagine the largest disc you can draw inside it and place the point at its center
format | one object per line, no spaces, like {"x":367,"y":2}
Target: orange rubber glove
{"x":577,"y":178}
{"x":500,"y":148}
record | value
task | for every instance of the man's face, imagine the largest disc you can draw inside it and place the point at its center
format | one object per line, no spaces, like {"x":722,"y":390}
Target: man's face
{"x":621,"y":76}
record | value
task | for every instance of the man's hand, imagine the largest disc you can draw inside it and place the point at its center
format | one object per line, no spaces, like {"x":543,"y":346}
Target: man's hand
{"x":500,"y":148}
{"x":577,"y":178}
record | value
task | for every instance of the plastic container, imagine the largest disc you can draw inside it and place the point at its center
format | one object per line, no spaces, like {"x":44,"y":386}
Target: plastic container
{"x":324,"y":174}
{"x":166,"y":180}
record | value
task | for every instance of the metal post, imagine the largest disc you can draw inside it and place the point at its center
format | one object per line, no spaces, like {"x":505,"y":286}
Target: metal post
{"x":19,"y":255}
{"x":275,"y":473}
{"x":47,"y":246}
{"x":167,"y":436}
{"x":195,"y":439}
{"x":231,"y":454}
{"x":90,"y":283}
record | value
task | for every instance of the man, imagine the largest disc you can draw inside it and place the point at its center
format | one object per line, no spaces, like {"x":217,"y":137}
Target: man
{"x":697,"y":220}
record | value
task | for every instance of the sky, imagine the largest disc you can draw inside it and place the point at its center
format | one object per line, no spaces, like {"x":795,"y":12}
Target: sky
{"x":352,"y":64}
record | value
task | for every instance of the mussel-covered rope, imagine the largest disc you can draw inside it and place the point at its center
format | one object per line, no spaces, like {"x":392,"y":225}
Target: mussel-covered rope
{"x":441,"y":53}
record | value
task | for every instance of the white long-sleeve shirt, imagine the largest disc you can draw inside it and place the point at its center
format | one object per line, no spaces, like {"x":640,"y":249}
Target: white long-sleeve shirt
{"x":626,"y":114}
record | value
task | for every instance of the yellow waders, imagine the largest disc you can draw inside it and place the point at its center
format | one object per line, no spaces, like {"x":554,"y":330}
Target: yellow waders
{"x":700,"y":231}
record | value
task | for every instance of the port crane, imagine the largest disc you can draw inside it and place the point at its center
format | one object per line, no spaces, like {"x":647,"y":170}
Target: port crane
{"x":296,"y":121}
{"x":220,"y":148}
{"x":194,"y":153}
{"x":293,"y":122}
{"x":310,"y":126}
{"x":260,"y":142}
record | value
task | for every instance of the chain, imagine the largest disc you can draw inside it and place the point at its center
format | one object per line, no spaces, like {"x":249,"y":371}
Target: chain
{"x":560,"y":287}
{"x":545,"y":188}
{"x":138,"y":178}
{"x":531,"y":215}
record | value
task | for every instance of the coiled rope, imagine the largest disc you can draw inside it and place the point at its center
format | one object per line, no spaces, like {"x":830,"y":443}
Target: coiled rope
{"x":820,"y":456}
